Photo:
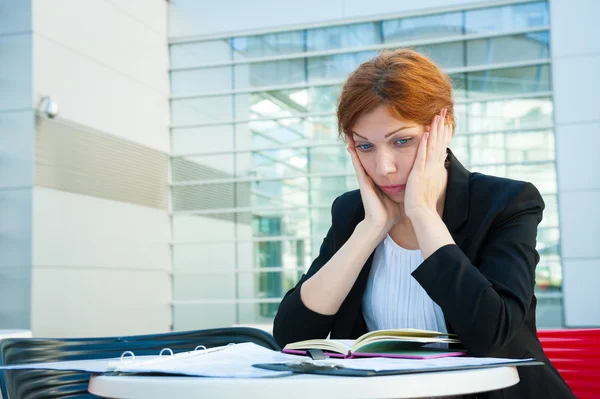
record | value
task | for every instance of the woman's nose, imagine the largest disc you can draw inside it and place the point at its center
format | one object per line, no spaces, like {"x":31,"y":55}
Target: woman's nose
{"x":386,"y":163}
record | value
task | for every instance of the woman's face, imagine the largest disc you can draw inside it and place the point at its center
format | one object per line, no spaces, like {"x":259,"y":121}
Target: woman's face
{"x":387,"y":149}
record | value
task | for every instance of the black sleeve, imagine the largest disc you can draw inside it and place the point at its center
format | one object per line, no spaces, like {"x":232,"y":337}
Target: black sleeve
{"x":294,"y":321}
{"x":486,"y":304}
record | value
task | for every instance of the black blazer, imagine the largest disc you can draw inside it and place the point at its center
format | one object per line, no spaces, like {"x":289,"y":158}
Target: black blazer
{"x":484,"y":284}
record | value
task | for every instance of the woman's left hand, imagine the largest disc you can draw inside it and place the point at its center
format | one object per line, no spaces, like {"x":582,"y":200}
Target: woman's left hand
{"x":427,"y":179}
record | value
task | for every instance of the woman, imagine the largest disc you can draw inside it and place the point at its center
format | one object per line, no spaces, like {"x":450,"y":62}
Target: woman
{"x":423,"y":243}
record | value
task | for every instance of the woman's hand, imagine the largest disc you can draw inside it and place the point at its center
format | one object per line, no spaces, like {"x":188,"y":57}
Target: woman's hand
{"x":427,"y":179}
{"x":381,"y":213}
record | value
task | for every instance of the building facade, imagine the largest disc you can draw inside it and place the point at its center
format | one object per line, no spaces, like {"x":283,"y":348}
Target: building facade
{"x":187,"y":179}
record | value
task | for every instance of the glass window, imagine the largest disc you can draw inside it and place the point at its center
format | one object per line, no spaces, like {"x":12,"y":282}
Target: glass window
{"x":500,"y":115}
{"x":446,"y":55}
{"x":532,"y":46}
{"x":347,"y":36}
{"x":270,"y":73}
{"x":274,"y":163}
{"x":324,"y":98}
{"x":270,"y":133}
{"x":508,"y":81}
{"x":199,"y":53}
{"x":324,"y":190}
{"x":282,"y":193}
{"x":271,"y":44}
{"x":487,"y":149}
{"x":323,"y":129}
{"x":507,"y":18}
{"x":530,"y":146}
{"x":459,"y":85}
{"x":423,"y":27}
{"x":201,"y":81}
{"x":201,"y":110}
{"x":330,"y":159}
{"x":202,"y":139}
{"x":550,"y":218}
{"x":334,"y":67}
{"x":460,"y":148}
{"x":285,"y":222}
{"x":287,"y":102}
{"x":542,"y":175}
{"x":255,"y":173}
{"x":460,"y":115}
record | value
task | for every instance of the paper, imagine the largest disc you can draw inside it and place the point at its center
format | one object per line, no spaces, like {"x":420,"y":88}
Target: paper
{"x":386,"y":364}
{"x":227,"y":361}
{"x":232,"y":361}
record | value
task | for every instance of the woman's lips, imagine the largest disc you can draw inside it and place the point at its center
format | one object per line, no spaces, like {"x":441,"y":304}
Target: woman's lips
{"x":395,"y":189}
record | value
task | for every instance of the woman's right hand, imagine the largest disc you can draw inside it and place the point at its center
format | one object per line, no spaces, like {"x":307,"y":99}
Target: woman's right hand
{"x":381,"y":213}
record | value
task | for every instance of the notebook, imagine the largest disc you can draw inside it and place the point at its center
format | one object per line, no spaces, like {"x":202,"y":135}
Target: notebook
{"x":394,"y":343}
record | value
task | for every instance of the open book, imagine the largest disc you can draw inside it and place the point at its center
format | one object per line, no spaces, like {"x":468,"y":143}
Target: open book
{"x":399,"y":343}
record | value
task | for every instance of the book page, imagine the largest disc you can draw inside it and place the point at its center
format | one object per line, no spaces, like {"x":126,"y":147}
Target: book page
{"x":404,"y":332}
{"x":374,"y":342}
{"x":342,"y":346}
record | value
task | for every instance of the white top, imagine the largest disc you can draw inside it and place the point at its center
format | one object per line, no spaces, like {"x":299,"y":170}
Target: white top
{"x":393,"y":297}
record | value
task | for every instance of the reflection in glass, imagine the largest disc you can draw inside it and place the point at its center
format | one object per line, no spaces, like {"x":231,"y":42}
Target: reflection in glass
{"x":507,"y":18}
{"x":446,"y":55}
{"x":281,"y":103}
{"x":268,"y":45}
{"x":345,"y":36}
{"x":526,"y":113}
{"x":425,"y":27}
{"x":335,"y":66}
{"x":509,"y":81}
{"x":255,"y":171}
{"x":201,"y":110}
{"x":191,"y":82}
{"x":497,"y":50}
{"x":542,"y":175}
{"x":271,"y":73}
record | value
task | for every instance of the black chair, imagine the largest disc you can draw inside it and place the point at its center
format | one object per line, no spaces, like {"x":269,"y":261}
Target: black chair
{"x":49,"y":384}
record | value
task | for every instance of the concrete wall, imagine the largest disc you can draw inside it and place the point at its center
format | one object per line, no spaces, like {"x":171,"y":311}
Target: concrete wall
{"x":101,"y":266}
{"x":576,"y":62}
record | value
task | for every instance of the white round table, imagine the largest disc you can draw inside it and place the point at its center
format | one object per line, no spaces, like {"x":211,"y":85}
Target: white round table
{"x":302,"y":386}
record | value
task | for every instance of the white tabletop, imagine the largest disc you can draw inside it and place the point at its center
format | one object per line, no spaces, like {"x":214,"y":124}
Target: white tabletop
{"x":302,"y":386}
{"x":15,"y":334}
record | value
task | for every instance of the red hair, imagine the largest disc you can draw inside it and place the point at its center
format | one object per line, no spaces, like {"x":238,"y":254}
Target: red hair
{"x":411,"y":85}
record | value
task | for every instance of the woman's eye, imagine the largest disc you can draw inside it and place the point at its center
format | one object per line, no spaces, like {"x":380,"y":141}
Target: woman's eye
{"x":402,"y":141}
{"x":364,"y":147}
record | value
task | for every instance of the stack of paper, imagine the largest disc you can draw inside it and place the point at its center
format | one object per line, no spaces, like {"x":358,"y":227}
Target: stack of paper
{"x":242,"y":360}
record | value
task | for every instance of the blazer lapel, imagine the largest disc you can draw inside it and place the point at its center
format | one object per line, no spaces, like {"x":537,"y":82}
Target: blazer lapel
{"x":456,"y":203}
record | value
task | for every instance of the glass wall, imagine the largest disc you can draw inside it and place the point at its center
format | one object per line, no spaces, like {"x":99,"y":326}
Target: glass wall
{"x":257,"y":160}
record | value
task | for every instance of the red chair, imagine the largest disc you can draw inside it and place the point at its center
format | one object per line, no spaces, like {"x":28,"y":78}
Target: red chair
{"x":576,"y":355}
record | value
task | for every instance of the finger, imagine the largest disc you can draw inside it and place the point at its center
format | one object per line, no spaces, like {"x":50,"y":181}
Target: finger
{"x":361,"y":175}
{"x":441,"y":145}
{"x":433,"y":134}
{"x":422,"y":152}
